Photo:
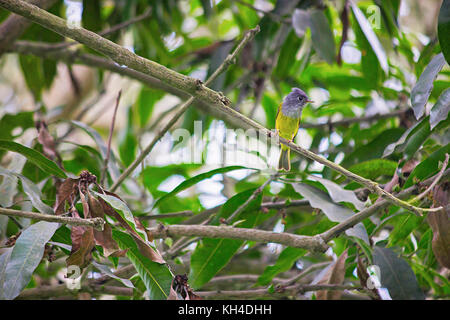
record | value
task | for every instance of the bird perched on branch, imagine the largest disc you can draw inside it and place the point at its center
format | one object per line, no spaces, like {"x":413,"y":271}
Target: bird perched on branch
{"x":287,"y":122}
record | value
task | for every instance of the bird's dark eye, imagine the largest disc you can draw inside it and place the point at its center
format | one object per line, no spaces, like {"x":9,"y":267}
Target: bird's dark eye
{"x":300,"y":98}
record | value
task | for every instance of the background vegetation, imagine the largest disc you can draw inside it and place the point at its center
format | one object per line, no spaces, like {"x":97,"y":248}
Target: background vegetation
{"x":95,"y":178}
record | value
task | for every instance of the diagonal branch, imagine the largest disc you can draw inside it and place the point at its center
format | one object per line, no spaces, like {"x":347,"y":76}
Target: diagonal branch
{"x":194,"y":87}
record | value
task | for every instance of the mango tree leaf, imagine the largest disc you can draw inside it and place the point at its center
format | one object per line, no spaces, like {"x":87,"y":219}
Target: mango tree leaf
{"x":9,"y":122}
{"x":123,"y":211}
{"x":112,"y":163}
{"x":4,"y":258}
{"x":374,"y":149}
{"x":428,"y":166}
{"x":284,"y":262}
{"x":411,"y":140}
{"x":440,"y":110}
{"x":396,"y":275}
{"x":322,"y":36}
{"x":194,"y":180}
{"x":339,"y":194}
{"x":34,"y":157}
{"x":145,"y":103}
{"x":403,"y":226}
{"x":335,"y":212}
{"x":26,"y":256}
{"x":444,"y":29}
{"x":300,"y":22}
{"x":156,"y":277}
{"x":31,"y":190}
{"x":211,"y":255}
{"x":422,"y":89}
{"x":371,"y":37}
{"x":105,"y":269}
{"x":375,"y":168}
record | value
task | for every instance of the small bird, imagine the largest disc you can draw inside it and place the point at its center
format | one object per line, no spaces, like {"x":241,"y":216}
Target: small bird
{"x":287,"y":122}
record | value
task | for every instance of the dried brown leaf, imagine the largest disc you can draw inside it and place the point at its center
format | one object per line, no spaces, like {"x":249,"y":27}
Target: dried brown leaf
{"x":66,"y":192}
{"x":103,"y":238}
{"x":47,"y":142}
{"x":335,"y":275}
{"x":440,"y":224}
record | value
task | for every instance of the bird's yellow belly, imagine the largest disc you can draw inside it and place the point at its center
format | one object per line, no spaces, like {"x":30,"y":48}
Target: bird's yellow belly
{"x":287,"y":127}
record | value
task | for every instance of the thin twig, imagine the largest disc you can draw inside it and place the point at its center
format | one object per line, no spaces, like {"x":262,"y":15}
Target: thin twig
{"x":111,"y":130}
{"x":250,"y":199}
{"x":364,"y":214}
{"x":96,"y":223}
{"x":347,"y":121}
{"x":229,"y":60}
{"x":282,"y":292}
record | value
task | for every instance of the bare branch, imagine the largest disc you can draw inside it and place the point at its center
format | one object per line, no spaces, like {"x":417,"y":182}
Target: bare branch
{"x":312,"y":243}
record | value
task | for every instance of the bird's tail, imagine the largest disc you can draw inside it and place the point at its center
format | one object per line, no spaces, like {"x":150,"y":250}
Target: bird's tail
{"x":284,"y":163}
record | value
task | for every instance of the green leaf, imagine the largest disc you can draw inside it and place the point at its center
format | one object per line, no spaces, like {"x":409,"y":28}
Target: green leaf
{"x":374,"y":169}
{"x":422,"y":89}
{"x":403,"y":226}
{"x":9,"y":122}
{"x":284,"y":262}
{"x":322,"y":36}
{"x":411,"y":140}
{"x":211,"y":255}
{"x":26,"y":256}
{"x":112,"y":163}
{"x":440,"y":110}
{"x":428,"y":167}
{"x":156,"y":277}
{"x":34,"y":156}
{"x":91,"y":17}
{"x":335,"y":212}
{"x":396,"y":275}
{"x":33,"y":73}
{"x":123,"y":210}
{"x":4,"y":258}
{"x":106,"y":270}
{"x":31,"y":190}
{"x":374,"y":149}
{"x":194,"y":180}
{"x":371,"y":37}
{"x":444,"y":29}
{"x":146,"y":102}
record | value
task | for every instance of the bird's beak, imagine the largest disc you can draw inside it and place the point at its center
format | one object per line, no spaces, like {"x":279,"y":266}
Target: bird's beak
{"x":310,"y":101}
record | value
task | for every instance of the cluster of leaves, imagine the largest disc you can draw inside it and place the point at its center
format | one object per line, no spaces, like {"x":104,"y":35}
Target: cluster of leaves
{"x":301,"y":44}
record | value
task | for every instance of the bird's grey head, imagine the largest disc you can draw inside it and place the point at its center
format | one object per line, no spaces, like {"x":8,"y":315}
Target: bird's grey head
{"x":294,"y":103}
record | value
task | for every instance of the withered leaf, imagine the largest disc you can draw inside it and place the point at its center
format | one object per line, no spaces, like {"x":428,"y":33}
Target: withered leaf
{"x":440,"y":224}
{"x":82,"y":245}
{"x":47,"y":142}
{"x":66,"y":192}
{"x":335,"y":275}
{"x":103,"y":238}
